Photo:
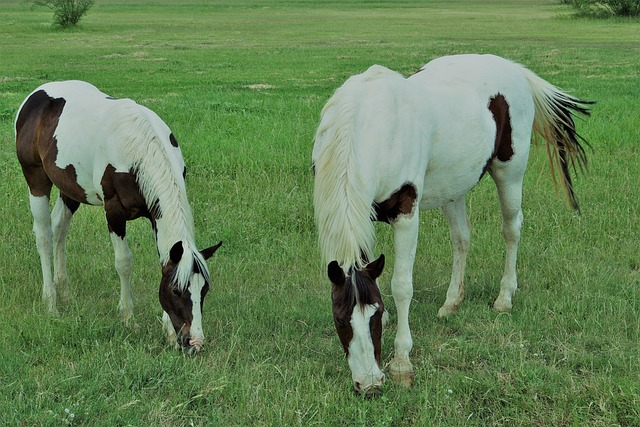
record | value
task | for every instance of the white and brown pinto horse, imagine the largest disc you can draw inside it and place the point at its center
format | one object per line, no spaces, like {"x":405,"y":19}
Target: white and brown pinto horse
{"x":100,"y":150}
{"x":389,"y":146}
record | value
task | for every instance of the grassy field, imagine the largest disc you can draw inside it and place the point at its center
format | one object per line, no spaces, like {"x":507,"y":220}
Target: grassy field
{"x":241,"y":83}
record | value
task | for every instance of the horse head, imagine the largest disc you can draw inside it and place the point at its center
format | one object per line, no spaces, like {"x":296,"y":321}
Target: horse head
{"x":357,"y":314}
{"x":182,"y":296}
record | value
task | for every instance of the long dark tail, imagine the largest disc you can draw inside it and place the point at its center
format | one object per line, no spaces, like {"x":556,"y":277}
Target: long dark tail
{"x":554,"y":123}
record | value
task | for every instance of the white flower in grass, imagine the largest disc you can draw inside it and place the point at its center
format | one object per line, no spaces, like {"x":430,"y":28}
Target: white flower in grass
{"x":70,"y":416}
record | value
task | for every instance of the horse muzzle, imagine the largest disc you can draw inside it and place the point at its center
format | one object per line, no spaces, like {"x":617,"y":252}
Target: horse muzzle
{"x":369,"y":390}
{"x":190,"y":345}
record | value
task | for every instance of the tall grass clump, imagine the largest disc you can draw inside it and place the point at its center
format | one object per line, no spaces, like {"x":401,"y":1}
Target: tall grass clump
{"x":605,"y":8}
{"x":66,"y":13}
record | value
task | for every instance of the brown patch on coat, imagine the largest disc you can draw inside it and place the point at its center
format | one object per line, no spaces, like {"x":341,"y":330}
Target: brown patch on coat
{"x":37,"y":148}
{"x":503,"y":148}
{"x":123,"y":200}
{"x":173,"y":140}
{"x":401,"y":202}
{"x":71,"y":204}
{"x":503,"y":144}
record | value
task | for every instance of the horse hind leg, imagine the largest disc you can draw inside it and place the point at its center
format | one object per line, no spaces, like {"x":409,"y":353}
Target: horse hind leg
{"x":510,"y":194}
{"x":460,"y":232}
{"x":43,"y":234}
{"x":61,"y":220}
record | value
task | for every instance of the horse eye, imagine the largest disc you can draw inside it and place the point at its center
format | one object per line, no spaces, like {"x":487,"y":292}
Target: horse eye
{"x":176,"y":292}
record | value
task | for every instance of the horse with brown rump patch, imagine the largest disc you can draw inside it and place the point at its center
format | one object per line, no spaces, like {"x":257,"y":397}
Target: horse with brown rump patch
{"x":388,"y":147}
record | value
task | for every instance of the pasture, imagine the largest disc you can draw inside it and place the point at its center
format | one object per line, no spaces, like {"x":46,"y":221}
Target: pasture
{"x":241,"y":84}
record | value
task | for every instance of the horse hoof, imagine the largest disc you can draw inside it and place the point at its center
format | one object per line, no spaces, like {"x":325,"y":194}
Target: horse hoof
{"x":446,"y":310}
{"x":403,"y":378}
{"x":132,"y":325}
{"x":64,"y":298}
{"x":502,"y":307}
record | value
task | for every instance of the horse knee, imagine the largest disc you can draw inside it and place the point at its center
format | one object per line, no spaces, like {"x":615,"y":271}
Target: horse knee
{"x":402,"y":290}
{"x":511,"y":227}
{"x":124,"y":263}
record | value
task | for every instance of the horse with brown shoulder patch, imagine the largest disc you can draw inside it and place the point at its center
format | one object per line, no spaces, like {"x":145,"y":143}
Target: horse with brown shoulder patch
{"x":98,"y":150}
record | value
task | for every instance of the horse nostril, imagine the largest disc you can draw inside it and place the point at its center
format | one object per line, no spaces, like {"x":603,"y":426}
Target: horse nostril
{"x":183,"y":340}
{"x":357,"y":387}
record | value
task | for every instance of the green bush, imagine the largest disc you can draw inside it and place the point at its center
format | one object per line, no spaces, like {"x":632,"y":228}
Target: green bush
{"x":65,"y":12}
{"x":605,"y":8}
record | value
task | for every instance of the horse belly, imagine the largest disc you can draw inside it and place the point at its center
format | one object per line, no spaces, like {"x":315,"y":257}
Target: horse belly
{"x":447,"y":181}
{"x":440,"y":191}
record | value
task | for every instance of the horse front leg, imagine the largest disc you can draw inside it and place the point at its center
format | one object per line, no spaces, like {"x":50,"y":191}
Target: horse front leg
{"x":124,"y":267}
{"x":117,"y":222}
{"x":43,"y":233}
{"x":61,"y":220}
{"x":405,"y":242}
{"x":460,"y":232}
{"x":169,"y":331}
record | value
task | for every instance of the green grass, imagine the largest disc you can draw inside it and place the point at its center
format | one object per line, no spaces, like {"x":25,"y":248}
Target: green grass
{"x":241,"y":83}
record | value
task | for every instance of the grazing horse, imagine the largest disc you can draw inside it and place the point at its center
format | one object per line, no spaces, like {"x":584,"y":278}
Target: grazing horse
{"x":100,"y":150}
{"x":389,"y":146}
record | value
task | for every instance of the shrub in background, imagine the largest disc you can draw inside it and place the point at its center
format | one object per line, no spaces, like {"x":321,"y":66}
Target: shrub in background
{"x":605,"y":8}
{"x":65,"y":12}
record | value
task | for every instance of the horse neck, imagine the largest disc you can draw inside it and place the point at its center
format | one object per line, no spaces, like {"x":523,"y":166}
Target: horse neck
{"x":171,"y":215}
{"x":158,"y":167}
{"x":171,"y":229}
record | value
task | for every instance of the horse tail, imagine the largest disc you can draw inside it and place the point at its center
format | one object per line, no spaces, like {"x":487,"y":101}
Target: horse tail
{"x":342,"y":200}
{"x":554,"y":123}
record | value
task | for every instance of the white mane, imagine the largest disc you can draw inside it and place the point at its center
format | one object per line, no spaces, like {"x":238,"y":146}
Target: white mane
{"x":159,"y":167}
{"x":343,"y":200}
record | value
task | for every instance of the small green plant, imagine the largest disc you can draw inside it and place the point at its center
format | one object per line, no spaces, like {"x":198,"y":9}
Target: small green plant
{"x":605,"y":8}
{"x":66,"y":13}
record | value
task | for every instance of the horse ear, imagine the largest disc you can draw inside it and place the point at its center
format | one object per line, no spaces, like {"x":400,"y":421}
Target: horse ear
{"x":175,"y":254}
{"x":335,"y":273}
{"x":208,"y":253}
{"x":375,"y":267}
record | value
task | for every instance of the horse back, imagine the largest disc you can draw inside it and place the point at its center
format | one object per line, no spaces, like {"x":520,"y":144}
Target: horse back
{"x":71,"y":135}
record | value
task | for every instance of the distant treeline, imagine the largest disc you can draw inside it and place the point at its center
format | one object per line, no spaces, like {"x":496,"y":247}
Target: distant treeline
{"x":605,"y":8}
